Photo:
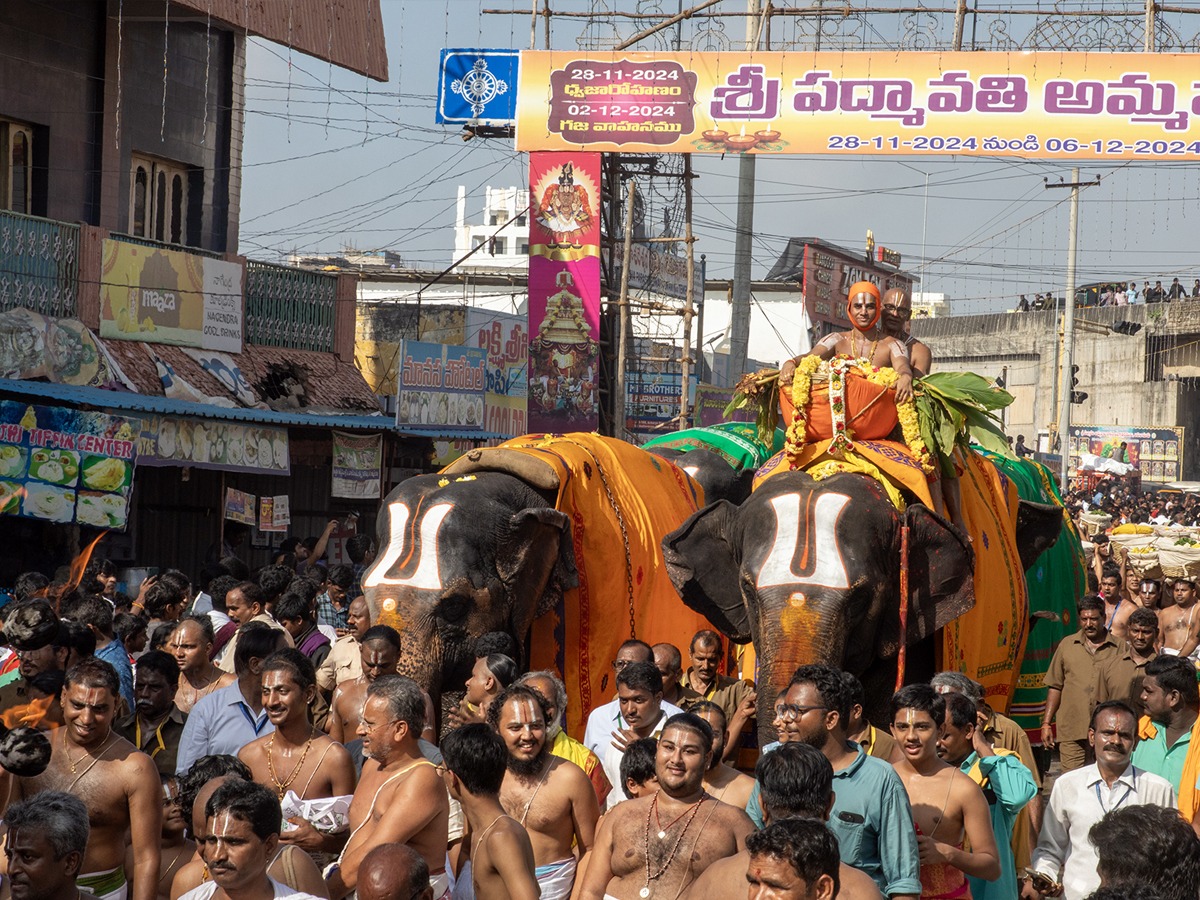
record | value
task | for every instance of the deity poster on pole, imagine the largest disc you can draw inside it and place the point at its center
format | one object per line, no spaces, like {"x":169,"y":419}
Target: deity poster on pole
{"x":564,"y":291}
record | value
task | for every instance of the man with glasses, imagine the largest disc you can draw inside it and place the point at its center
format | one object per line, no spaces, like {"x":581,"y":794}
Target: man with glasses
{"x":401,"y":798}
{"x":897,"y":310}
{"x":606,"y":719}
{"x":871,"y":815}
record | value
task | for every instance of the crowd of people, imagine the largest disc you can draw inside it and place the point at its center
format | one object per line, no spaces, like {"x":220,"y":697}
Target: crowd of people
{"x":259,"y":744}
{"x":1115,"y":294}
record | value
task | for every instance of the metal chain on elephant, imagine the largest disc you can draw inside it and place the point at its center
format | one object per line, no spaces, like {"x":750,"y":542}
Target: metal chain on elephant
{"x":612,"y":501}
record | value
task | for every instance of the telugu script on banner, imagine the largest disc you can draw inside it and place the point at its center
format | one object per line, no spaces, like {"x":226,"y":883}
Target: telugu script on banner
{"x":1044,"y":105}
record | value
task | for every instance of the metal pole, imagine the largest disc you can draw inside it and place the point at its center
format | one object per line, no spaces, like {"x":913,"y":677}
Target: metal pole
{"x":1064,"y":419}
{"x":924,"y":232}
{"x":688,"y":309}
{"x":739,"y":327}
{"x":619,"y":422}
{"x":700,"y":365}
{"x":960,"y":18}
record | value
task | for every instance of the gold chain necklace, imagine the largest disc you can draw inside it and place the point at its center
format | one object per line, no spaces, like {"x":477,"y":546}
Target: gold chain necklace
{"x":74,"y":763}
{"x":854,"y":347}
{"x":282,"y":786}
{"x":653,"y":809}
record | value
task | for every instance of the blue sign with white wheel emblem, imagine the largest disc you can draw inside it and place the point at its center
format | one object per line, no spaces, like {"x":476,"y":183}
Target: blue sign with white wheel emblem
{"x":477,"y":87}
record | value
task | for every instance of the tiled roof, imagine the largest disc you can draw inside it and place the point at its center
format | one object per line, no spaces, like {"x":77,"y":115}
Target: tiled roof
{"x":332,"y":386}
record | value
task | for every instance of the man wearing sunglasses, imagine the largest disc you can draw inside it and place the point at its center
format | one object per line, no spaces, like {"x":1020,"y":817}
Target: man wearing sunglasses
{"x":897,"y":311}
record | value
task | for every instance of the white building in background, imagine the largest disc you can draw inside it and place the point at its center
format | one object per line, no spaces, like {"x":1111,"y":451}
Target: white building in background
{"x":503,"y":251}
{"x":930,"y":306}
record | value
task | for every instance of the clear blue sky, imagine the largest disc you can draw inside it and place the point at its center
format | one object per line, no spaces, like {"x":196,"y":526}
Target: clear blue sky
{"x":331,"y":159}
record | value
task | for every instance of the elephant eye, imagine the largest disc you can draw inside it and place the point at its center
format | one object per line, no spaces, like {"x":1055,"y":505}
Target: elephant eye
{"x":452,"y":608}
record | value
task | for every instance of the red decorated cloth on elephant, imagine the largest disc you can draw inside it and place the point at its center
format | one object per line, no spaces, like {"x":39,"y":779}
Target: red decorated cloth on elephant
{"x":621,"y":501}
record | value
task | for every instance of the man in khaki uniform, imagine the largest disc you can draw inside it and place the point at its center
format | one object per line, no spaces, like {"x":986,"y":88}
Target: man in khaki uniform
{"x":1071,"y":684}
{"x":344,"y":662}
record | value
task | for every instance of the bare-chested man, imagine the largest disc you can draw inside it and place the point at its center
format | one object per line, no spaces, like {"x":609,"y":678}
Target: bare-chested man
{"x":780,"y":773}
{"x":1179,"y":626}
{"x":897,"y":311}
{"x":400,"y":798}
{"x":658,"y":845}
{"x":552,"y":798}
{"x":379,"y":653}
{"x":865,"y":340}
{"x":947,"y":806}
{"x":500,"y":863}
{"x":723,"y":781}
{"x":296,"y":756}
{"x":119,"y":785}
{"x":191,"y":644}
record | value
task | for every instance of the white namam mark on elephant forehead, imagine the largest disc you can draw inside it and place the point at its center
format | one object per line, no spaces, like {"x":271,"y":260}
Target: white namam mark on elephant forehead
{"x":428,"y":575}
{"x":826,"y":567}
{"x":692,"y":471}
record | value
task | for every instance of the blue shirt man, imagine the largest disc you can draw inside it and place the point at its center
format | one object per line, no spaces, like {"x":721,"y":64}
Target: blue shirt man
{"x":871,"y":815}
{"x":228,"y":719}
{"x":1006,"y":783}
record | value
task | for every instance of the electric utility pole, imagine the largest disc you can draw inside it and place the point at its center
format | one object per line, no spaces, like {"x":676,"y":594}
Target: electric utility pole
{"x":739,"y":325}
{"x":1068,"y":348}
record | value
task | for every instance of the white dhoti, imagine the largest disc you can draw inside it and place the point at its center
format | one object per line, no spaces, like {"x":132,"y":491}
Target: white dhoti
{"x":556,"y":879}
{"x":110,"y":885}
{"x":441,"y":885}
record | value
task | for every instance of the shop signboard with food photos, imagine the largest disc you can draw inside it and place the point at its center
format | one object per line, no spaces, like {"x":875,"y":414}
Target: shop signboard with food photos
{"x":441,"y":386}
{"x":209,"y":444}
{"x":65,"y":465}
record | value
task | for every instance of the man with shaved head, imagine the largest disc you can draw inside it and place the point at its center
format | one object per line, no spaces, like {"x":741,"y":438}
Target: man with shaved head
{"x":394,"y":872}
{"x":897,"y":311}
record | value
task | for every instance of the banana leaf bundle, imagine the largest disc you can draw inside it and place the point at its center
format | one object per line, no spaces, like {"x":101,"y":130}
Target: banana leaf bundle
{"x":956,"y":408}
{"x":760,"y":391}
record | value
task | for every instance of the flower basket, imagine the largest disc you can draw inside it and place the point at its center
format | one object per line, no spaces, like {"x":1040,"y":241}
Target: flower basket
{"x":1180,"y":563}
{"x":1145,"y":564}
{"x":1092,"y":524}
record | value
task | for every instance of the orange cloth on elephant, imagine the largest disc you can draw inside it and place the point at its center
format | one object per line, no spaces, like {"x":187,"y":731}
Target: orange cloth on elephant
{"x":893,"y":460}
{"x":652,"y":497}
{"x":988,"y":642}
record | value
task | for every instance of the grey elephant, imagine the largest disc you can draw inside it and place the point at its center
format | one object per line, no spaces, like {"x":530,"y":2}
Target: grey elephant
{"x":809,"y":571}
{"x":556,"y":541}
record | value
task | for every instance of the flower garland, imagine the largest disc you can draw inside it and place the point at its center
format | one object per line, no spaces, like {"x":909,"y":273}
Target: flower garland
{"x":801,"y":395}
{"x":839,"y":367}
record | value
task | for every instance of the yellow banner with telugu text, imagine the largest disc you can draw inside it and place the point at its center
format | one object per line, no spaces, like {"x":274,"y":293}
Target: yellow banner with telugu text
{"x":1042,"y":104}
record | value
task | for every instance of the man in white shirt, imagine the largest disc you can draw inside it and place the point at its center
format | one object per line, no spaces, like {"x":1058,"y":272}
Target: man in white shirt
{"x":606,"y":719}
{"x":1082,"y":797}
{"x":642,"y":715}
{"x":242,"y":821}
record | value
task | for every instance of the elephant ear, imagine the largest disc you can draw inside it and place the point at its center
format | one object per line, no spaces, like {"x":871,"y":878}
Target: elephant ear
{"x":536,"y":563}
{"x":703,"y":566}
{"x":941,"y":573}
{"x":1038,"y":528}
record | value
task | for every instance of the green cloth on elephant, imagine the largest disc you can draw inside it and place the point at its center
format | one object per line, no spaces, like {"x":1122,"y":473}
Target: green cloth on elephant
{"x":737,"y":442}
{"x":1056,"y":581}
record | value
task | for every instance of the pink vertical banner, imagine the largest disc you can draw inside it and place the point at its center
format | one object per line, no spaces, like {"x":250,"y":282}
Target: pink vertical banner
{"x":564,"y":291}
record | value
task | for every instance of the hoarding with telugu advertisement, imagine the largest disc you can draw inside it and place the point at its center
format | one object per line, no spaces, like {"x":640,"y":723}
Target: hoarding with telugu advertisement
{"x":1046,"y":105}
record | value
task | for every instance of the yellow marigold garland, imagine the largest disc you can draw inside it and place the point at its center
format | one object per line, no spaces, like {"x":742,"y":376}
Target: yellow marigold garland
{"x":906,"y":412}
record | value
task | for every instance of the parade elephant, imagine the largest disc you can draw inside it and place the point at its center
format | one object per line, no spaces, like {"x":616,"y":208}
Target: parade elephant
{"x":554,"y":540}
{"x":810,"y":572}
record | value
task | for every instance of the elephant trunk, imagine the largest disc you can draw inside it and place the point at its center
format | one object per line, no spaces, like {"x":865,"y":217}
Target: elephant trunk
{"x":799,"y":636}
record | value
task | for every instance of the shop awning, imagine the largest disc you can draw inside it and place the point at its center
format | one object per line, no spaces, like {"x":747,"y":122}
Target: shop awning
{"x":122,"y":401}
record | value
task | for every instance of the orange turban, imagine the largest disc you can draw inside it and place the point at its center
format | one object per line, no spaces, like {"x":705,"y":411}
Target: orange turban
{"x":864,"y":287}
